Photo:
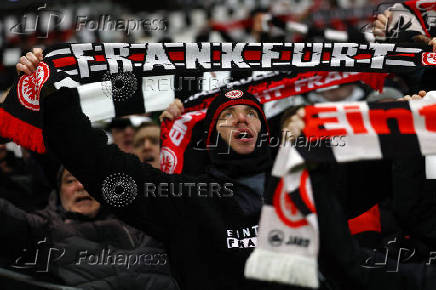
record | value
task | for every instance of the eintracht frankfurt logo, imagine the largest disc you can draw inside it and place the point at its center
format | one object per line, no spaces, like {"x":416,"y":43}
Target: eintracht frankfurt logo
{"x":168,"y":160}
{"x":429,"y":58}
{"x":285,"y":208}
{"x":29,"y":87}
{"x":234,"y":94}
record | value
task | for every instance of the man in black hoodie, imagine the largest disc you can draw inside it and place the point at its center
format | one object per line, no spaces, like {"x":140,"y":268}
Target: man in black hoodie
{"x":210,"y":225}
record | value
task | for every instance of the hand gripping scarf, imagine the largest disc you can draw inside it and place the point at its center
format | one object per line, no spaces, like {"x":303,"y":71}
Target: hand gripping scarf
{"x":412,"y":18}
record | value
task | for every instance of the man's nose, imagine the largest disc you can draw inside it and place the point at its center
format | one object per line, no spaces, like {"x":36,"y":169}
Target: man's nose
{"x":79,"y":185}
{"x":147,"y":144}
{"x":241,"y":117}
{"x":129,"y":131}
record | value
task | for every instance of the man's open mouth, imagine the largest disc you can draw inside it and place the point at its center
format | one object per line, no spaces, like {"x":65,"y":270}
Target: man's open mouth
{"x":83,"y":198}
{"x":243,"y":135}
{"x":149,"y":159}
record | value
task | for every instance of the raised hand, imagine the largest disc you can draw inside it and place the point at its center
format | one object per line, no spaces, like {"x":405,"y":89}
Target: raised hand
{"x":174,"y":110}
{"x":30,"y":61}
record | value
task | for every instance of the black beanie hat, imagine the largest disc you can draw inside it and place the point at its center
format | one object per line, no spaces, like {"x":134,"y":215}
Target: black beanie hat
{"x":235,"y":164}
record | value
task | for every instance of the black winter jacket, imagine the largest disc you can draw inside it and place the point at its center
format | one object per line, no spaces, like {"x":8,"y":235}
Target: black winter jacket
{"x":73,"y":250}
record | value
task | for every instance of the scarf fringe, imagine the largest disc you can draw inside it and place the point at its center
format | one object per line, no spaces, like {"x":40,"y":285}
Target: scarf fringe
{"x":284,"y":268}
{"x":21,"y":132}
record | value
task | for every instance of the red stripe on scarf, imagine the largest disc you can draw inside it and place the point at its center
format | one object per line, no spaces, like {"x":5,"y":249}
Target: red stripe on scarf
{"x":368,"y":221}
{"x":64,"y":61}
{"x":279,"y":191}
{"x":137,"y":57}
{"x":176,"y":55}
{"x":21,"y":132}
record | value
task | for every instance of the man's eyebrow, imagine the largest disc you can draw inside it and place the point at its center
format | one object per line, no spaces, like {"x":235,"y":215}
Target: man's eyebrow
{"x":247,"y":109}
{"x":143,"y":137}
{"x":68,"y":175}
{"x":228,"y":109}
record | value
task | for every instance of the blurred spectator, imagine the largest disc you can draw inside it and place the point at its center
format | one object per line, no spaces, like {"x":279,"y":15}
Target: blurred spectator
{"x":348,"y":92}
{"x":73,"y":231}
{"x":122,"y":133}
{"x":74,"y":198}
{"x":146,"y":143}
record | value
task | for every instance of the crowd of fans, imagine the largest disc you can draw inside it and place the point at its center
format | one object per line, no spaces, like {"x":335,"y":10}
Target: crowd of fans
{"x":56,"y":226}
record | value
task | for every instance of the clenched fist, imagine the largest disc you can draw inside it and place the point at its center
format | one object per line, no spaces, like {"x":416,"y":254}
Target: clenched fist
{"x":30,"y":61}
{"x":174,"y":110}
{"x":380,"y":25}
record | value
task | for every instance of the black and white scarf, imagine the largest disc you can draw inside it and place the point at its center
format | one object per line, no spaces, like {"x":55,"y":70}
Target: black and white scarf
{"x":288,"y":239}
{"x":108,"y":77}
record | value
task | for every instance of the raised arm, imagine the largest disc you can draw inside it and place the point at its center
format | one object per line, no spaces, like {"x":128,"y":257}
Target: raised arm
{"x":113,"y":177}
